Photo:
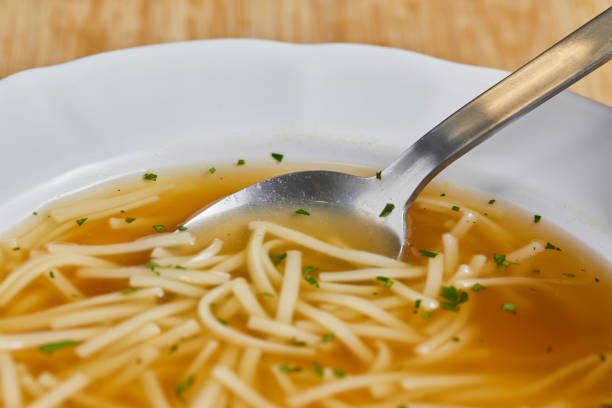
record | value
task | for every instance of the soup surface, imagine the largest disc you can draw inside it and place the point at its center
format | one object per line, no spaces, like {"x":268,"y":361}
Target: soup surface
{"x":101,"y":306}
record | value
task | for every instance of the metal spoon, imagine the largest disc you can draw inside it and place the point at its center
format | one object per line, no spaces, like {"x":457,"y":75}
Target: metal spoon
{"x":375,"y":209}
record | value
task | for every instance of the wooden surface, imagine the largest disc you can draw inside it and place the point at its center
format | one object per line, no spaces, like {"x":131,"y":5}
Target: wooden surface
{"x":494,"y":33}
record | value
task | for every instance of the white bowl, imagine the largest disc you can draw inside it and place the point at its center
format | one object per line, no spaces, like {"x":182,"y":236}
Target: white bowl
{"x":210,"y":102}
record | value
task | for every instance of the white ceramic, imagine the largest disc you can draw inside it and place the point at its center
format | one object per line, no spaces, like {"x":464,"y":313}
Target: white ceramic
{"x":211,"y":102}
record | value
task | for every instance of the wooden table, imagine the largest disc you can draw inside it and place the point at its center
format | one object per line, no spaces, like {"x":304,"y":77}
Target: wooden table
{"x":494,"y":33}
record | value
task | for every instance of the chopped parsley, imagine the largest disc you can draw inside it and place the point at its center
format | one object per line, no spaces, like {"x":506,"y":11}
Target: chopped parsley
{"x":387,"y":210}
{"x":551,"y":246}
{"x":128,"y":291}
{"x":181,"y":267}
{"x":317,"y":369}
{"x":182,"y":228}
{"x":535,"y":271}
{"x":129,"y":220}
{"x":339,"y":373}
{"x":81,"y":221}
{"x":453,"y":298}
{"x":307,"y":274}
{"x":501,"y":261}
{"x":159,"y":228}
{"x":509,"y":307}
{"x":536,"y":218}
{"x":240,"y":162}
{"x":302,"y":211}
{"x":277,"y":156}
{"x":50,"y":348}
{"x":288,"y":370}
{"x":492,"y":201}
{"x":16,"y":248}
{"x":276,"y":260}
{"x":569,"y":275}
{"x":455,"y":208}
{"x":387,"y":283}
{"x":183,"y":386}
{"x":477,"y":287}
{"x":297,"y":343}
{"x":428,"y":254}
{"x":222,"y":321}
{"x":602,"y":357}
{"x":51,"y":275}
{"x":266,"y":294}
{"x":379,"y":175}
{"x":328,"y":337}
{"x":426,"y":314}
{"x":34,"y":213}
{"x":212,"y":170}
{"x":417,"y":303}
{"x":151,"y":265}
{"x":173,"y":348}
{"x":150,"y":176}
{"x":455,"y":339}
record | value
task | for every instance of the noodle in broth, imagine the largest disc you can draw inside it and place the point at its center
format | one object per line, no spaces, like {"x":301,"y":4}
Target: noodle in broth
{"x":107,"y":301}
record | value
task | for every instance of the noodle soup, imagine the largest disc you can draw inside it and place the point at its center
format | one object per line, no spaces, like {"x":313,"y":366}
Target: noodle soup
{"x":101,"y":305}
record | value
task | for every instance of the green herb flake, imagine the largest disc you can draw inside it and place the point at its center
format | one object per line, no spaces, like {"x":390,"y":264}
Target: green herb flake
{"x":276,"y":260}
{"x":477,"y":287}
{"x":151,"y":265}
{"x":50,"y":348}
{"x":51,"y":275}
{"x":183,"y":386}
{"x":34,"y":213}
{"x":535,"y":271}
{"x":129,"y":220}
{"x":602,"y":357}
{"x":453,"y":298}
{"x":551,"y":246}
{"x":387,"y":210}
{"x":297,"y":343}
{"x":288,"y":370}
{"x":387,"y":283}
{"x":318,"y":370}
{"x":16,"y":248}
{"x":222,"y":321}
{"x":81,"y":221}
{"x":492,"y":201}
{"x":302,"y":211}
{"x":181,"y":267}
{"x":455,"y":208}
{"x":455,"y":339}
{"x":417,"y":303}
{"x":182,"y":228}
{"x":307,"y":274}
{"x":173,"y":348}
{"x":159,"y":228}
{"x":402,"y":406}
{"x":240,"y":162}
{"x":128,"y":291}
{"x":428,"y":254}
{"x":379,"y":175}
{"x":426,"y":314}
{"x":339,"y":373}
{"x":212,"y":170}
{"x":568,"y":275}
{"x":150,"y":176}
{"x":536,"y":218}
{"x":277,"y":156}
{"x":500,"y":261}
{"x":509,"y":307}
{"x":328,"y":337}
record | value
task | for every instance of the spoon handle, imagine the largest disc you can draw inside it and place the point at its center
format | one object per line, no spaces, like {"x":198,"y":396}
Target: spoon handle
{"x":540,"y":79}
